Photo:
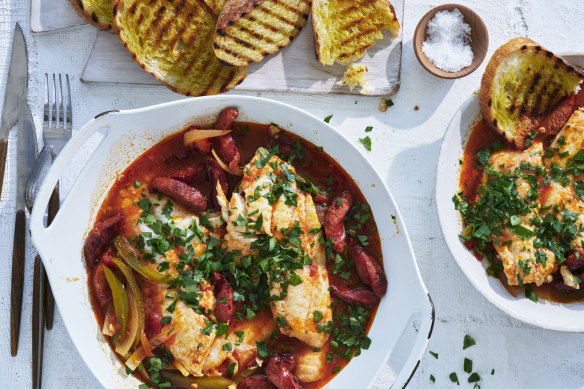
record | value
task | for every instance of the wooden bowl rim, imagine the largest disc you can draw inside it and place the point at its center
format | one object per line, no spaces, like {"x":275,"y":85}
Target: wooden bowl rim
{"x":478,"y":56}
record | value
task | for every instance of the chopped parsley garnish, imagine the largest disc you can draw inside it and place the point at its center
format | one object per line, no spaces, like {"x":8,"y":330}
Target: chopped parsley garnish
{"x":468,"y":342}
{"x":317,"y":316}
{"x":454,"y":378}
{"x":432,"y":378}
{"x":369,"y":129}
{"x":467,"y":365}
{"x":435,"y":355}
{"x":366,"y":142}
{"x":328,"y":119}
{"x":166,"y":320}
{"x":474,"y":377}
{"x":389,"y":103}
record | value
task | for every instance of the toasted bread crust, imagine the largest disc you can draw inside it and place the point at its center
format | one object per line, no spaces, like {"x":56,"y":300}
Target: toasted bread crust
{"x":526,"y":123}
{"x":361,"y":41}
{"x":240,"y":37}
{"x":92,"y":18}
{"x":189,"y":68}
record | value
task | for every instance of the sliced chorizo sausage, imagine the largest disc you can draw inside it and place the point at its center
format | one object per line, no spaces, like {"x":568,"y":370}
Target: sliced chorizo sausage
{"x":226,"y":144}
{"x":217,"y":175}
{"x":256,"y":382}
{"x":100,"y":286}
{"x":203,"y":145}
{"x":101,"y":237}
{"x":369,"y":270}
{"x":555,"y":120}
{"x":320,"y":198}
{"x":192,"y":175}
{"x":186,"y":195}
{"x":360,"y":295}
{"x":225,"y":307}
{"x":280,"y":375}
{"x":334,"y":226}
{"x":575,"y":260}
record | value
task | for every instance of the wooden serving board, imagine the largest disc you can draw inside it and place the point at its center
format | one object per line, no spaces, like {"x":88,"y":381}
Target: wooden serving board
{"x":293,"y":69}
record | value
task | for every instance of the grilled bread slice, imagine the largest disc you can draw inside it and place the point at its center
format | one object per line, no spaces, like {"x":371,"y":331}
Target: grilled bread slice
{"x":345,"y":29}
{"x":249,"y":30}
{"x":522,"y":86}
{"x":173,"y":40}
{"x":96,"y":12}
{"x":215,"y":5}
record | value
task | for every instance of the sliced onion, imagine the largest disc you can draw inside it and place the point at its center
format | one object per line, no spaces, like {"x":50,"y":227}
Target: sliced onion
{"x":123,"y":347}
{"x":239,"y":172}
{"x":142,"y":352}
{"x":107,"y":321}
{"x":198,"y":134}
{"x":145,"y":343}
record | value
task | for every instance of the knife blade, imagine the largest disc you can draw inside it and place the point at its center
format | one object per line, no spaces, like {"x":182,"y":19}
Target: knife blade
{"x":15,"y":89}
{"x":26,"y":158}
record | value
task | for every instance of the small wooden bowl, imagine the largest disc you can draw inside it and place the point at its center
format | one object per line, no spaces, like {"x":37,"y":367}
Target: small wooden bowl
{"x":479,"y":41}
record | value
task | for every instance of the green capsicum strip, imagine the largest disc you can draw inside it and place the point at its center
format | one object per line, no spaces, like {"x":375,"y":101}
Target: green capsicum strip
{"x":130,"y":257}
{"x":137,"y":296}
{"x":120,"y":299}
{"x":201,"y":382}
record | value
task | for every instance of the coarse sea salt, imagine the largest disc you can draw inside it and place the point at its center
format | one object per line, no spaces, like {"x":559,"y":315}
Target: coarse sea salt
{"x":447,"y":41}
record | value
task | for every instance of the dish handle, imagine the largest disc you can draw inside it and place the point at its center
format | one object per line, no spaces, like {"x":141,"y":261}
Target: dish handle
{"x":42,"y":235}
{"x":426,"y":310}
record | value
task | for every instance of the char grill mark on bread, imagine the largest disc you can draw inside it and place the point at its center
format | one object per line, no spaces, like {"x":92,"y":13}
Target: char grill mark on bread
{"x":174,"y":42}
{"x":247,"y":31}
{"x":522,"y":86}
{"x":96,"y":12}
{"x":344,"y":30}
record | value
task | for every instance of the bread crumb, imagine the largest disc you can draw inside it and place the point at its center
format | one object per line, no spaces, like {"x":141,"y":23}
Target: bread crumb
{"x":382,"y":106}
{"x":416,"y":108}
{"x":354,"y":76}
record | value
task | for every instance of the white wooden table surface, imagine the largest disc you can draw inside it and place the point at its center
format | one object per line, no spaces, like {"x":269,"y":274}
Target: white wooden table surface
{"x":405,"y":150}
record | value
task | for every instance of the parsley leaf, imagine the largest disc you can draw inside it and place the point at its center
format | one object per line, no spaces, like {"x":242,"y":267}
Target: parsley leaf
{"x":366,"y":142}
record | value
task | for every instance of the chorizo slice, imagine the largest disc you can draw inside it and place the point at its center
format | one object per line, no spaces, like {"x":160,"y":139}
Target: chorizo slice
{"x":360,"y":295}
{"x":226,"y":144}
{"x":216,"y":175}
{"x":192,"y":175}
{"x":225,"y":307}
{"x":369,"y":270}
{"x":101,"y":237}
{"x":203,"y":145}
{"x":575,"y":260}
{"x":555,"y":120}
{"x":256,"y":382}
{"x":279,"y":374}
{"x":334,"y":227}
{"x":186,"y":195}
{"x":100,"y":286}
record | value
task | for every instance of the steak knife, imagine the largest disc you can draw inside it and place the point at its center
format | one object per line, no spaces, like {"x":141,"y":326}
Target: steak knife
{"x":15,"y":89}
{"x":26,"y":158}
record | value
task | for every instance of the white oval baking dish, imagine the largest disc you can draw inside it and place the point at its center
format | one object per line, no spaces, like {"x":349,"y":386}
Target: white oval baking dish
{"x":129,"y":134}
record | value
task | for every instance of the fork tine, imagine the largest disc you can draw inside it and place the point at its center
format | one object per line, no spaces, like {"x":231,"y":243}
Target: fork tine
{"x":54,"y":104}
{"x":69,"y":124}
{"x":61,"y":111}
{"x":46,"y":105}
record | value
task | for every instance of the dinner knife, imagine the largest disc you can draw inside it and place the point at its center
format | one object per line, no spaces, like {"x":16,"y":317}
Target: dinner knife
{"x":26,"y":158}
{"x":15,"y":89}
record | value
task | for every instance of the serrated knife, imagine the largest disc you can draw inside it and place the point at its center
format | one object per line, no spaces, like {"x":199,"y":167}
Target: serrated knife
{"x":15,"y":90}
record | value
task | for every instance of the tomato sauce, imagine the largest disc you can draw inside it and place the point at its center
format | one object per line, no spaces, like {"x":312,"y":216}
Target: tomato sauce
{"x":170,"y":155}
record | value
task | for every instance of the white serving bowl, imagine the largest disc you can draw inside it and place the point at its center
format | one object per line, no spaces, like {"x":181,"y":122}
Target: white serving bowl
{"x":131,"y":133}
{"x":545,"y":314}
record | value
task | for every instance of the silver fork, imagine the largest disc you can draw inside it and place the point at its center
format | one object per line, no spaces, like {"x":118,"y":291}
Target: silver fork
{"x":57,"y":130}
